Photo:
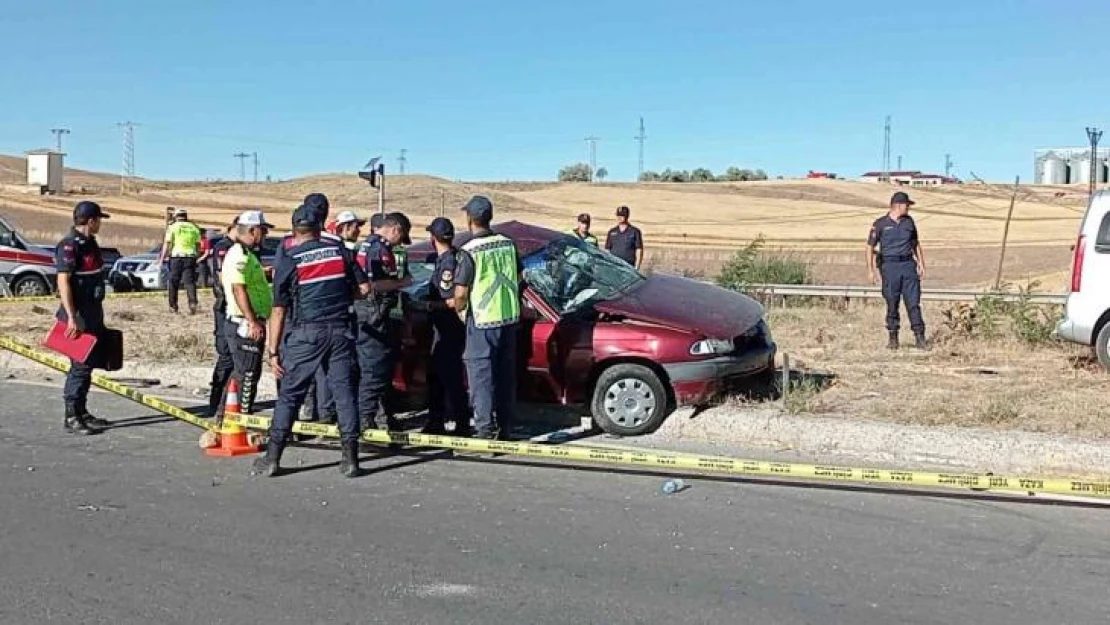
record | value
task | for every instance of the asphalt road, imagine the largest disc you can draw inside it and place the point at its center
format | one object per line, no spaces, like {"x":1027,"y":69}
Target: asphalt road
{"x":138,"y":526}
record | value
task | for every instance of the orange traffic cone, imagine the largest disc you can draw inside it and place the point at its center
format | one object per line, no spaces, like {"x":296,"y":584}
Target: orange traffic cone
{"x":233,"y":438}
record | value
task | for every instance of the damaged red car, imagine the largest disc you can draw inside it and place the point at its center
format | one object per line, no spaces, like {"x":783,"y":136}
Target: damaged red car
{"x":597,"y":334}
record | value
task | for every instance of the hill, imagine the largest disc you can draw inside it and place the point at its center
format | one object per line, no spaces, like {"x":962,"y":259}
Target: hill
{"x":689,"y":227}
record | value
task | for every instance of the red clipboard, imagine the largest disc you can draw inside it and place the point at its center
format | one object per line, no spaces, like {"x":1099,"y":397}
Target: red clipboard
{"x":77,"y":349}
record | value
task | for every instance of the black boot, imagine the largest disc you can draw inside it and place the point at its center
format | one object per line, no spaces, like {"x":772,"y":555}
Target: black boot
{"x":76,"y":424}
{"x":95,"y":422}
{"x":919,"y":340}
{"x":267,"y":465}
{"x":348,"y":466}
{"x":893,"y":342}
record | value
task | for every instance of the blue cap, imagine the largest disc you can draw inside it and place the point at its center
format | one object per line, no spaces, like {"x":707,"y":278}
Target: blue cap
{"x":479,"y":207}
{"x":87,"y":210}
{"x":901,"y":198}
{"x":307,"y":216}
{"x":442,"y":228}
{"x":318,"y":203}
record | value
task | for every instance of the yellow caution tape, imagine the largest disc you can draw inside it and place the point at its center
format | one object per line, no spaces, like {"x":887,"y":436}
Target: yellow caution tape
{"x":107,"y":296}
{"x":653,"y":459}
{"x":107,"y":384}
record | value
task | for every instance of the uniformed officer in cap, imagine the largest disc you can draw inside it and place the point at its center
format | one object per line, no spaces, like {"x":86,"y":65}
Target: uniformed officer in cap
{"x":377,"y":331}
{"x":902,"y":264}
{"x":81,"y":290}
{"x":225,"y":365}
{"x":448,"y":397}
{"x":182,"y":246}
{"x":249,"y":304}
{"x":581,"y":231}
{"x":487,"y":292}
{"x":315,"y":286}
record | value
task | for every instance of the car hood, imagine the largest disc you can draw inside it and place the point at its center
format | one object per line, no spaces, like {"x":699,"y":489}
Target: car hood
{"x":139,"y":258}
{"x":682,"y":303}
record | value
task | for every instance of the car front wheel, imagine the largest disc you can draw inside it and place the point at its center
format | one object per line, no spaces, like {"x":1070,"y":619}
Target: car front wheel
{"x":1102,"y":347}
{"x":629,"y":400}
{"x":30,"y":286}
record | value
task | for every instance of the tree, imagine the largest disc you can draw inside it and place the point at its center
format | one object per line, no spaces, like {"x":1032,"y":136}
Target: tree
{"x":578,"y":172}
{"x":601,"y":173}
{"x":673,"y":175}
{"x":649,"y":176}
{"x":733,"y":174}
{"x":701,"y":174}
{"x":760,"y":175}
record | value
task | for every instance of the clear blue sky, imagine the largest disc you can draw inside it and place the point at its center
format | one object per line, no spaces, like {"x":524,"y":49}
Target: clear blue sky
{"x":493,"y":90}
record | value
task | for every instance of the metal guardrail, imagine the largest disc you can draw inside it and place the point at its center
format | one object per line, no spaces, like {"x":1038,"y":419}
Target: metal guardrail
{"x":872,"y":292}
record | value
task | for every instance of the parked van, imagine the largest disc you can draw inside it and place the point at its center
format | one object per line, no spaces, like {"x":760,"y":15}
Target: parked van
{"x":1087,"y":311}
{"x":28,"y":270}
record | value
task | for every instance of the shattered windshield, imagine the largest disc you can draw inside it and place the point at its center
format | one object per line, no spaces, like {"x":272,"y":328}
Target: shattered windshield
{"x":570,"y":274}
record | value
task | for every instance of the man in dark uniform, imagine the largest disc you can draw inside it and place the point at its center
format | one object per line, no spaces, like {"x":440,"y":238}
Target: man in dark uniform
{"x":902,"y":264}
{"x":377,"y":333}
{"x":487,"y":292}
{"x":225,"y":365}
{"x":315,"y":286}
{"x":446,"y":384}
{"x":81,"y":289}
{"x":625,"y":241}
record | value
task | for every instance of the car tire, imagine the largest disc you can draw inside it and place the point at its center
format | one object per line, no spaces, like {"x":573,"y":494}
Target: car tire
{"x":1102,"y":347}
{"x":629,"y":400}
{"x":30,"y":285}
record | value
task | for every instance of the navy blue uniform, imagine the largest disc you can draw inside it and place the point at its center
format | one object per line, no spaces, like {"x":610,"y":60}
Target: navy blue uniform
{"x":377,"y":334}
{"x":897,"y":241}
{"x":225,"y":365}
{"x":315,"y":282}
{"x":625,"y":244}
{"x":80,"y":257}
{"x":446,"y":384}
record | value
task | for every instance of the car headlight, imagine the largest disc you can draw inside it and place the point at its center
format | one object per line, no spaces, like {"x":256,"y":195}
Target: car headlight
{"x":708,"y":347}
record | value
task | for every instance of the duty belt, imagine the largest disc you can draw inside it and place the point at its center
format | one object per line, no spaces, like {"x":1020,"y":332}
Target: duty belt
{"x":897,"y":259}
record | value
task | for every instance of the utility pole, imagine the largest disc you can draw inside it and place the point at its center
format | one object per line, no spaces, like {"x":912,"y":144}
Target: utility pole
{"x":128,"y":174}
{"x":254,"y":156}
{"x":899,"y":162}
{"x":58,"y":132}
{"x":1094,"y":134}
{"x":591,"y":142}
{"x":401,"y":160}
{"x":886,"y":149}
{"x":947,"y":165}
{"x":242,"y":156}
{"x":640,"y":139}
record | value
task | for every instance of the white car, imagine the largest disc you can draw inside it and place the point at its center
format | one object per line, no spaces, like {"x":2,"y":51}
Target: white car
{"x":140,"y":272}
{"x":27,"y":270}
{"x":1087,"y":312}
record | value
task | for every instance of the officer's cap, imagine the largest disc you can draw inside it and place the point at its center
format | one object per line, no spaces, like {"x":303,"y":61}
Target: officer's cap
{"x":442,"y":229}
{"x":306,"y":216}
{"x":479,"y":207}
{"x":901,"y":198}
{"x":252,"y":219}
{"x":584,"y":218}
{"x":88,"y":210}
{"x":180,"y":212}
{"x":377,"y":220}
{"x":347,"y":217}
{"x":318,"y":203}
{"x":405,"y":224}
{"x":623,"y":211}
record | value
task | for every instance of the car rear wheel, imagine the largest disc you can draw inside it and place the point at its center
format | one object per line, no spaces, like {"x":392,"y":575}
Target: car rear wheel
{"x":629,"y":400}
{"x":1102,"y":347}
{"x":30,"y":286}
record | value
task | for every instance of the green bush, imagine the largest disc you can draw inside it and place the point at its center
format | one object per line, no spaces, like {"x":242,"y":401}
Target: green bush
{"x":751,"y":265}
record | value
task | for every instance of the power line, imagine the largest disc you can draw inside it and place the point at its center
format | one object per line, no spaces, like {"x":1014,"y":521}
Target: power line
{"x":254,"y":156}
{"x":640,"y":139}
{"x":242,"y":156}
{"x":401,"y":160}
{"x":591,"y":142}
{"x":127,"y":177}
{"x":58,"y":132}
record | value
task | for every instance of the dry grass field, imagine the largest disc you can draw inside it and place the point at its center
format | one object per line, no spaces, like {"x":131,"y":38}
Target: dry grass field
{"x":961,"y":382}
{"x":688,"y":227}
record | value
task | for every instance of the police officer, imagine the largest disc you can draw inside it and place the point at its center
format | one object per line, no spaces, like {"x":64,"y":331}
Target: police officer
{"x":315,"y":286}
{"x":446,"y":384}
{"x":582,"y":230}
{"x":182,"y":245}
{"x":625,"y":241}
{"x":902,"y":265}
{"x":487,"y":292}
{"x":377,"y":343}
{"x":225,"y":365}
{"x":81,"y":289}
{"x":249,"y":304}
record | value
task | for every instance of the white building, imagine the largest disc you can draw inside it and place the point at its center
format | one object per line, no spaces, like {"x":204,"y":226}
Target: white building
{"x":45,"y":169}
{"x":908,"y":178}
{"x":1070,"y":165}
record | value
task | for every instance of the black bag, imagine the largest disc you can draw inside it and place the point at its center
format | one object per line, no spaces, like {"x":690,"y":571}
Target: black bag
{"x":108,"y":353}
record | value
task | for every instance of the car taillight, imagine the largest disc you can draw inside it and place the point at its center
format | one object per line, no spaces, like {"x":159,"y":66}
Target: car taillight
{"x":1077,"y":264}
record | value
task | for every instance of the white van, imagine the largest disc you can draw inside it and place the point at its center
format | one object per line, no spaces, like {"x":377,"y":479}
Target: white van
{"x":1088,"y":306}
{"x":28,"y":270}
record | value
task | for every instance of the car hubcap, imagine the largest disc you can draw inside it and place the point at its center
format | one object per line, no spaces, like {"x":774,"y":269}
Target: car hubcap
{"x":29,"y":288}
{"x":629,"y":402}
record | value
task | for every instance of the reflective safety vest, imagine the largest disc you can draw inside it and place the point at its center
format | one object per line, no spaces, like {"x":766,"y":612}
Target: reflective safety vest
{"x":589,"y":238}
{"x":183,"y":239}
{"x":402,"y":255}
{"x":494,"y":292}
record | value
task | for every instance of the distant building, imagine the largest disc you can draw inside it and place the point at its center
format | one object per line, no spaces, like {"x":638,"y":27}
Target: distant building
{"x":45,"y":170}
{"x":1070,"y":166}
{"x":909,"y":178}
{"x":821,"y":174}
